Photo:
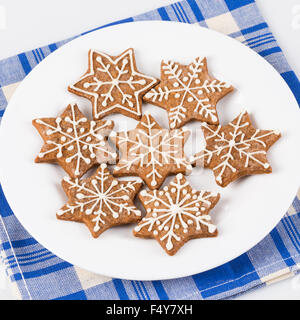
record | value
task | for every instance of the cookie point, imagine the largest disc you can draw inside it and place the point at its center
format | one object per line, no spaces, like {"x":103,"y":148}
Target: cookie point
{"x":149,"y":95}
{"x":143,"y":193}
{"x":169,"y":246}
{"x":189,"y":168}
{"x":277,"y":132}
{"x":103,"y":165}
{"x":60,"y":212}
{"x":153,"y":183}
{"x":137,"y":229}
{"x":113,"y":134}
{"x":212,"y":228}
{"x":179,"y":176}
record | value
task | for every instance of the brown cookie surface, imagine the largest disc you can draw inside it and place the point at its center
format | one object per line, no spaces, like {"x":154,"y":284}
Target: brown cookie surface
{"x":176,"y":214}
{"x":188,"y":92}
{"x":100,"y":201}
{"x":151,"y":152}
{"x":113,"y":84}
{"x":74,"y":142}
{"x":235,"y":150}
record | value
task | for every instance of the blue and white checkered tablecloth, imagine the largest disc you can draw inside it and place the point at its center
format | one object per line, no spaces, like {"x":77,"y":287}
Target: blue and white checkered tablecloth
{"x":36,"y":273}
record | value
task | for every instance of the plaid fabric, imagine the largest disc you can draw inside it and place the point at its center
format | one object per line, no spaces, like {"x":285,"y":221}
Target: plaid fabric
{"x":37,"y":273}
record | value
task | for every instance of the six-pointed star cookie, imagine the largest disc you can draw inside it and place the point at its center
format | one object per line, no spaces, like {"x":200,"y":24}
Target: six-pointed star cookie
{"x":113,"y":84}
{"x":188,"y":92}
{"x":151,"y":152}
{"x":100,"y":201}
{"x":235,"y":150}
{"x":74,"y":142}
{"x":176,"y":214}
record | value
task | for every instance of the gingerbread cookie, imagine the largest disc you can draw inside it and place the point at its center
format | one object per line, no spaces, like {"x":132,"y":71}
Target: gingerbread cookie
{"x":176,"y":214}
{"x":188,"y":92}
{"x":235,"y":150}
{"x":74,"y":142}
{"x":151,"y":152}
{"x":113,"y":84}
{"x":100,"y":201}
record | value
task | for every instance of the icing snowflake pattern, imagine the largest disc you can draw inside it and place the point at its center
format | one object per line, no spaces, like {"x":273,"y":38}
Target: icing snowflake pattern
{"x":151,"y":152}
{"x":188,"y":92}
{"x":235,"y":150}
{"x":113,"y":84}
{"x":176,"y":214}
{"x":74,"y":142}
{"x":100,"y":201}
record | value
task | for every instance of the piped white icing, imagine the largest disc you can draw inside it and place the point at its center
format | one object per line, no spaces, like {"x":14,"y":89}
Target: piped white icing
{"x":125,"y":76}
{"x":76,"y":139}
{"x":185,"y":90}
{"x":236,"y":142}
{"x":101,"y":199}
{"x":175,"y":215}
{"x":153,"y":148}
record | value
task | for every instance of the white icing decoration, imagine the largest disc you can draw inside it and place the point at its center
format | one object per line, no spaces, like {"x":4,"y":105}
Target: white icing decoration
{"x":237,"y":142}
{"x":187,"y":89}
{"x":101,"y":200}
{"x":178,"y":214}
{"x":126,"y":75}
{"x":153,"y":148}
{"x":76,"y":140}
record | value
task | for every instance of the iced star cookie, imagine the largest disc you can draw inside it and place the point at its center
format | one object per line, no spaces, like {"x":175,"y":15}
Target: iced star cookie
{"x":235,"y":150}
{"x":100,"y":201}
{"x":176,"y":214}
{"x":188,"y":92}
{"x":151,"y":152}
{"x":113,"y":84}
{"x":74,"y":142}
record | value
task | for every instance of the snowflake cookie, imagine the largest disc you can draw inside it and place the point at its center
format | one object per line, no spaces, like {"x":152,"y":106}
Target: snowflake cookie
{"x":74,"y":142}
{"x":113,"y":84}
{"x":176,"y":214}
{"x":151,"y":152}
{"x":188,"y":92}
{"x":235,"y":150}
{"x":100,"y":201}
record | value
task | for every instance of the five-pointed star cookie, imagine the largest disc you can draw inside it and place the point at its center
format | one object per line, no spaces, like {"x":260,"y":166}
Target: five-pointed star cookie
{"x":235,"y":150}
{"x":176,"y":214}
{"x":113,"y":84}
{"x":151,"y":152}
{"x":74,"y":142}
{"x":188,"y":92}
{"x":100,"y":201}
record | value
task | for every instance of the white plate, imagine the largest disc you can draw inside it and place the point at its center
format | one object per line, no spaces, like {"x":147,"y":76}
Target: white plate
{"x":248,"y":208}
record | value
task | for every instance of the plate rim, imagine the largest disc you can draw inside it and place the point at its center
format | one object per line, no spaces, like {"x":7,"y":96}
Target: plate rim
{"x":91,"y":33}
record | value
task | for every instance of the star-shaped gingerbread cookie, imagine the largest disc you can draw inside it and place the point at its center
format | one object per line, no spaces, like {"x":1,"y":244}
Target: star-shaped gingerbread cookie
{"x":74,"y":142}
{"x":188,"y":92}
{"x":151,"y":152}
{"x":176,"y":214}
{"x":113,"y":84}
{"x":100,"y":201}
{"x":235,"y":150}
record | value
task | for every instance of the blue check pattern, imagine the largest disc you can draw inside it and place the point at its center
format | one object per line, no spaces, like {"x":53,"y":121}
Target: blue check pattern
{"x":37,"y":273}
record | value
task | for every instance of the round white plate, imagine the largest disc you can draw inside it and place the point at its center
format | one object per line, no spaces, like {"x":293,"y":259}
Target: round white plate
{"x":248,"y":209}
